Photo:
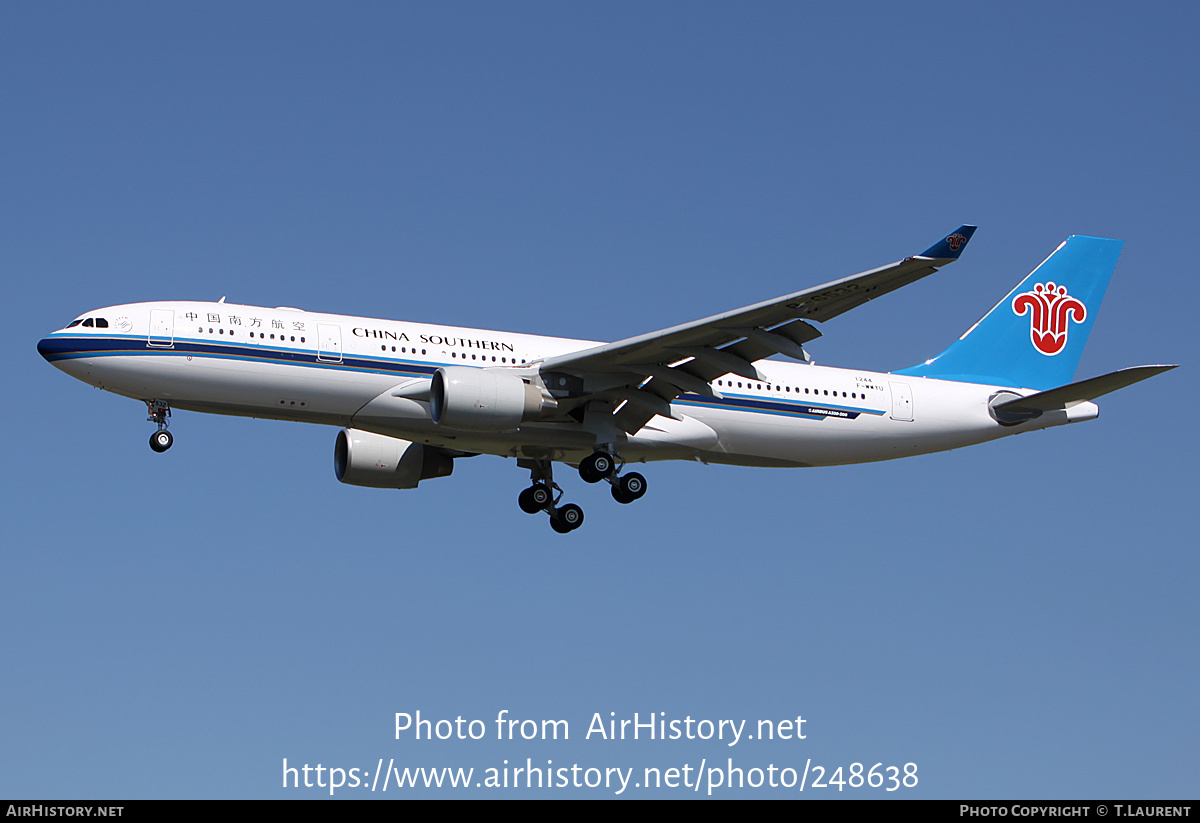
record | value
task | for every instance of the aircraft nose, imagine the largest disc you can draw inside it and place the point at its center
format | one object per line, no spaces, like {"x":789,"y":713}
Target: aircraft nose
{"x":52,"y":348}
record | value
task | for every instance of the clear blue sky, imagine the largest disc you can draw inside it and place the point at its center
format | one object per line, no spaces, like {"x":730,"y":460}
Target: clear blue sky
{"x":1018,"y":619}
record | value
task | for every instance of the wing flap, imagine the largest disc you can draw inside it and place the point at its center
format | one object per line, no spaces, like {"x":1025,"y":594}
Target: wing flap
{"x":631,"y":418}
{"x":751,"y":350}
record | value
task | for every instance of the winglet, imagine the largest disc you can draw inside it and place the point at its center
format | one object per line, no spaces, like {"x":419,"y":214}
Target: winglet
{"x":950,"y":247}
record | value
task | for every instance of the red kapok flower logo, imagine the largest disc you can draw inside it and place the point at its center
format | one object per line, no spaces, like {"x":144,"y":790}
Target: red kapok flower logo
{"x":1048,"y":307}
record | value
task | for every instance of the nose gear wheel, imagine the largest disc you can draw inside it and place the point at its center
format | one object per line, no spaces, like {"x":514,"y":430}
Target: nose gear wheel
{"x":160,"y":413}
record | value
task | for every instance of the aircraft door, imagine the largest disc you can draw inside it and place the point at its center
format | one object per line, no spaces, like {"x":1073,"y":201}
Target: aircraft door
{"x":329,"y":343}
{"x":902,"y":402}
{"x":162,"y":329}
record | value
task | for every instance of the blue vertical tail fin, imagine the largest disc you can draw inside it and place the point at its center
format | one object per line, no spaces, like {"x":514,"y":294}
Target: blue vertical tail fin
{"x":1035,"y":336}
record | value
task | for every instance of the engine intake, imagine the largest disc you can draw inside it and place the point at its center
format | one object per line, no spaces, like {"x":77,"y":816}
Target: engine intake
{"x":485,"y":399}
{"x":366,"y":459}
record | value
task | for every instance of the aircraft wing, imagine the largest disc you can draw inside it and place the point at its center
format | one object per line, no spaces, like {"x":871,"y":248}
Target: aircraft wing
{"x":644,"y":374}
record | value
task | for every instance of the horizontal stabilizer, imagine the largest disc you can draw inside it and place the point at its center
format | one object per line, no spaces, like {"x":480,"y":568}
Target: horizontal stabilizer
{"x":1080,"y":392}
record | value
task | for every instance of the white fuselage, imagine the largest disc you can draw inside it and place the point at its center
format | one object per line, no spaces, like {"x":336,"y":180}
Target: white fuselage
{"x":294,"y":365}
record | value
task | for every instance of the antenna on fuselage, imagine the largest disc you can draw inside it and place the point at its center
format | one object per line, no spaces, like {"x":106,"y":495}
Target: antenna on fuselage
{"x":222,"y":300}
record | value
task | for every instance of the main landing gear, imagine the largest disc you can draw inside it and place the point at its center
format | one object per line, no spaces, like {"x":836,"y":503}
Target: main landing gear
{"x":541,"y":497}
{"x":545,"y":495}
{"x":600,"y":465}
{"x":628,"y":487}
{"x":160,"y":412}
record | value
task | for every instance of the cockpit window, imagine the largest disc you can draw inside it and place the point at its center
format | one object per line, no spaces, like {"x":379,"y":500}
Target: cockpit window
{"x":88,"y":323}
{"x":101,"y":323}
{"x":74,"y":323}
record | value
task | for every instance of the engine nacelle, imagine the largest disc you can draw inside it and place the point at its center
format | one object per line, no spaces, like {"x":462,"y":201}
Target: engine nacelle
{"x":365,"y":459}
{"x":485,"y":399}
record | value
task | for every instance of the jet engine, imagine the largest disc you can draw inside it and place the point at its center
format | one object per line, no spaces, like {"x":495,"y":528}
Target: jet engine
{"x":485,"y":399}
{"x":365,"y":459}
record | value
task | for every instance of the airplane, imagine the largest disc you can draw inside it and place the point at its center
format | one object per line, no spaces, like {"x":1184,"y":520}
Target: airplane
{"x":411,"y":399}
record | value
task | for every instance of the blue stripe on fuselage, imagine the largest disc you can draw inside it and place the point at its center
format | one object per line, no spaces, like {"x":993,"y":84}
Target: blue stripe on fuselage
{"x":58,"y":347}
{"x":55,"y":348}
{"x":787,"y":408}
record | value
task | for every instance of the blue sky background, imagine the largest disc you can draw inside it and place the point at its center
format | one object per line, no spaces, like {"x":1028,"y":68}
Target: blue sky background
{"x":1018,"y":619}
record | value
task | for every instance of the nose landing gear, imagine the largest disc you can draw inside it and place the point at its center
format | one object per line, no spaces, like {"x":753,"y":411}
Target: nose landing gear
{"x":160,"y":441}
{"x":160,"y":412}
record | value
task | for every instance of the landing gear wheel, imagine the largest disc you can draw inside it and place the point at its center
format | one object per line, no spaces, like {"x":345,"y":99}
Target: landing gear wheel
{"x":160,"y":441}
{"x":567,"y":519}
{"x":596,"y":466}
{"x":535,"y":498}
{"x":629,"y":488}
